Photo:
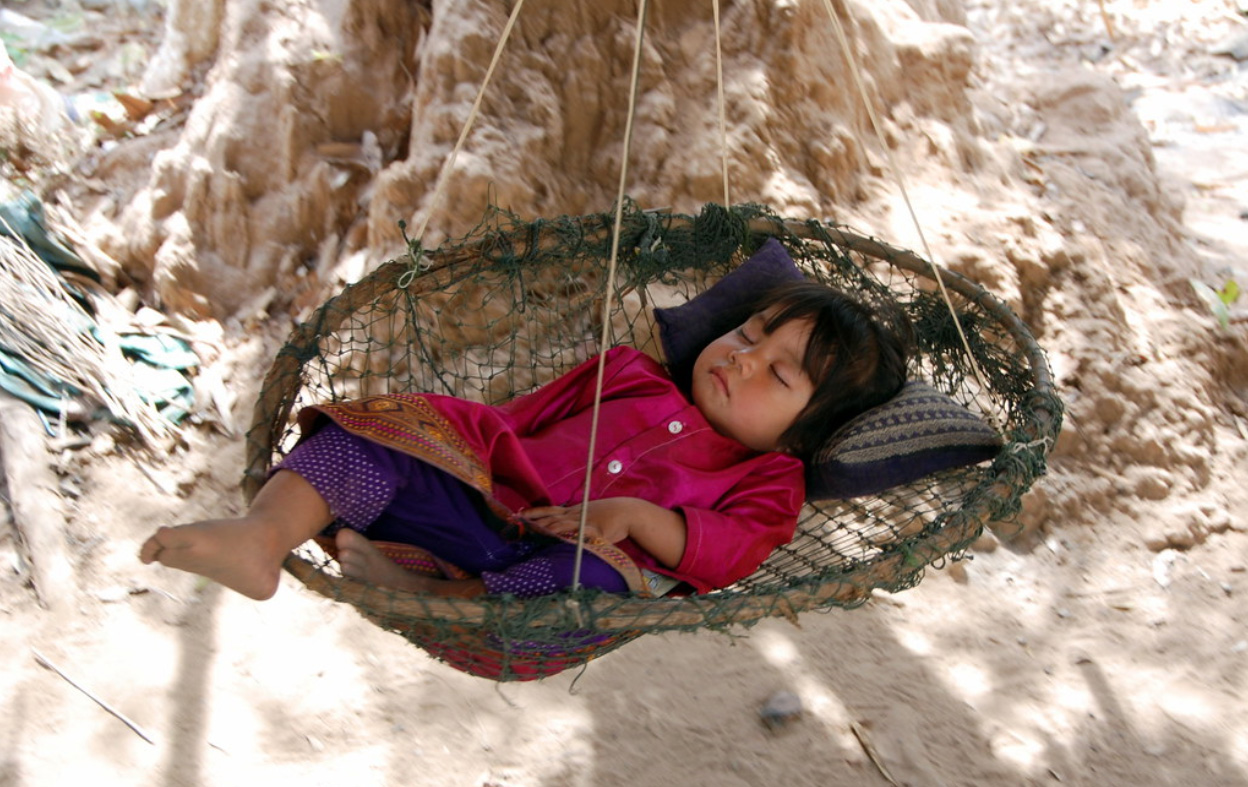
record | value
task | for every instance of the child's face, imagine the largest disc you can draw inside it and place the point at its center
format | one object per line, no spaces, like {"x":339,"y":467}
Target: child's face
{"x":750,"y":385}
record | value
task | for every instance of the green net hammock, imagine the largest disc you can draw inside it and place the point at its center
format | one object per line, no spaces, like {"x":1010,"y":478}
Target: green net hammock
{"x":517,"y":303}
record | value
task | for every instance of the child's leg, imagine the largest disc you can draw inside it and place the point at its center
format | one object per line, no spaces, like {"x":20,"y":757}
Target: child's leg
{"x":329,"y":471}
{"x":245,"y":553}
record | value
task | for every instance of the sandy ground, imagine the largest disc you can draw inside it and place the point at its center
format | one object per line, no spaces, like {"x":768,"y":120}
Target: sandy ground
{"x":1106,"y":650}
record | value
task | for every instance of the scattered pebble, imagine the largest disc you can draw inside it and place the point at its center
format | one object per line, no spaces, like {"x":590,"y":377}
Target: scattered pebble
{"x":986,"y":543}
{"x":1162,"y":564}
{"x":957,"y":572}
{"x":782,"y":708}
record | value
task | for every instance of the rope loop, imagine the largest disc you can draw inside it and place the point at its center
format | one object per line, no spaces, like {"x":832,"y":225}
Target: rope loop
{"x":417,"y":264}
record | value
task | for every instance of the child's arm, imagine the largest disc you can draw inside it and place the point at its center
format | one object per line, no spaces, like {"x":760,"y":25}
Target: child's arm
{"x":657,"y":530}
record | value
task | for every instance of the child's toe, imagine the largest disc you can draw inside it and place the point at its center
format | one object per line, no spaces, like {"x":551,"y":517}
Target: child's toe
{"x":151,"y":549}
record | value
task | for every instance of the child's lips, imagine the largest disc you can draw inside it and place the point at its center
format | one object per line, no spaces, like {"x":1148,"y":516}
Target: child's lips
{"x":721,"y":380}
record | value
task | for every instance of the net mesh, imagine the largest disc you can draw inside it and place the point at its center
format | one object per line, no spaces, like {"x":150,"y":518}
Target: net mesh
{"x":516,"y":303}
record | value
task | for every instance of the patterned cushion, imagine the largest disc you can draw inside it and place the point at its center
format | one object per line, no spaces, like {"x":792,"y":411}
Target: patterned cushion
{"x":918,"y":432}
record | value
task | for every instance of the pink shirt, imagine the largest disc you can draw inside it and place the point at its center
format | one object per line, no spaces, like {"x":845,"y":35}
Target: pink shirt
{"x":652,"y":444}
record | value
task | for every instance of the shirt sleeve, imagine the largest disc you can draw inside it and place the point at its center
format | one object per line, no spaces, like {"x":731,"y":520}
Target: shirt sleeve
{"x":728,"y":543}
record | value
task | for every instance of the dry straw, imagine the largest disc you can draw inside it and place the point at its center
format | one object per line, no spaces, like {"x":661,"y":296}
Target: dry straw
{"x":51,"y":332}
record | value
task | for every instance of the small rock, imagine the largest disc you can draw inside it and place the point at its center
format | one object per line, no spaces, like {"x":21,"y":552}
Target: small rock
{"x":1187,"y":537}
{"x":1110,"y":409}
{"x":1183,"y":526}
{"x":782,"y":708}
{"x":71,"y":487}
{"x":1162,"y":565}
{"x":1157,"y":540}
{"x":1218,"y":519}
{"x":1236,"y":47}
{"x":957,"y":572}
{"x":1153,"y":485}
{"x":987,"y":543}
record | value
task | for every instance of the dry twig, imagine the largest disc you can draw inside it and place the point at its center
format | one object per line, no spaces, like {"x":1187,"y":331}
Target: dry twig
{"x":1109,"y":24}
{"x":43,"y":662}
{"x":869,"y":748}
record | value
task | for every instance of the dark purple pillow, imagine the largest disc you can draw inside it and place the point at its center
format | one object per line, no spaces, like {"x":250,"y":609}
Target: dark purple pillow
{"x":918,"y":432}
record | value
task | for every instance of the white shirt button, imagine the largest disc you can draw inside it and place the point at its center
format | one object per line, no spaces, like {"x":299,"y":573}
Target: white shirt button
{"x":614,"y":466}
{"x":675,"y":427}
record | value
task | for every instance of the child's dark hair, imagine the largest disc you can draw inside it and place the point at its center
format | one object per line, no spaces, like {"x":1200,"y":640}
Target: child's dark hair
{"x":856,"y":356}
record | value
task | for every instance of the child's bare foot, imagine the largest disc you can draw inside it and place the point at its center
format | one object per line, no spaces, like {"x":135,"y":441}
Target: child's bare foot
{"x":233,"y":552}
{"x":361,"y":560}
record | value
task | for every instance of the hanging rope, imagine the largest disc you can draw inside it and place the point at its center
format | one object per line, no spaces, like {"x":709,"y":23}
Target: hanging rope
{"x":642,"y":7}
{"x":937,"y":273}
{"x":723,"y":110}
{"x":449,"y":164}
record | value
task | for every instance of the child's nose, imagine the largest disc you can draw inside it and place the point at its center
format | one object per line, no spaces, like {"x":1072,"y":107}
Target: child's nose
{"x":743,"y":359}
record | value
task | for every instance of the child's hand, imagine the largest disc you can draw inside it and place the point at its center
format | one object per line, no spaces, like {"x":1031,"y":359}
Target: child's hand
{"x":608,"y":519}
{"x":657,"y":530}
